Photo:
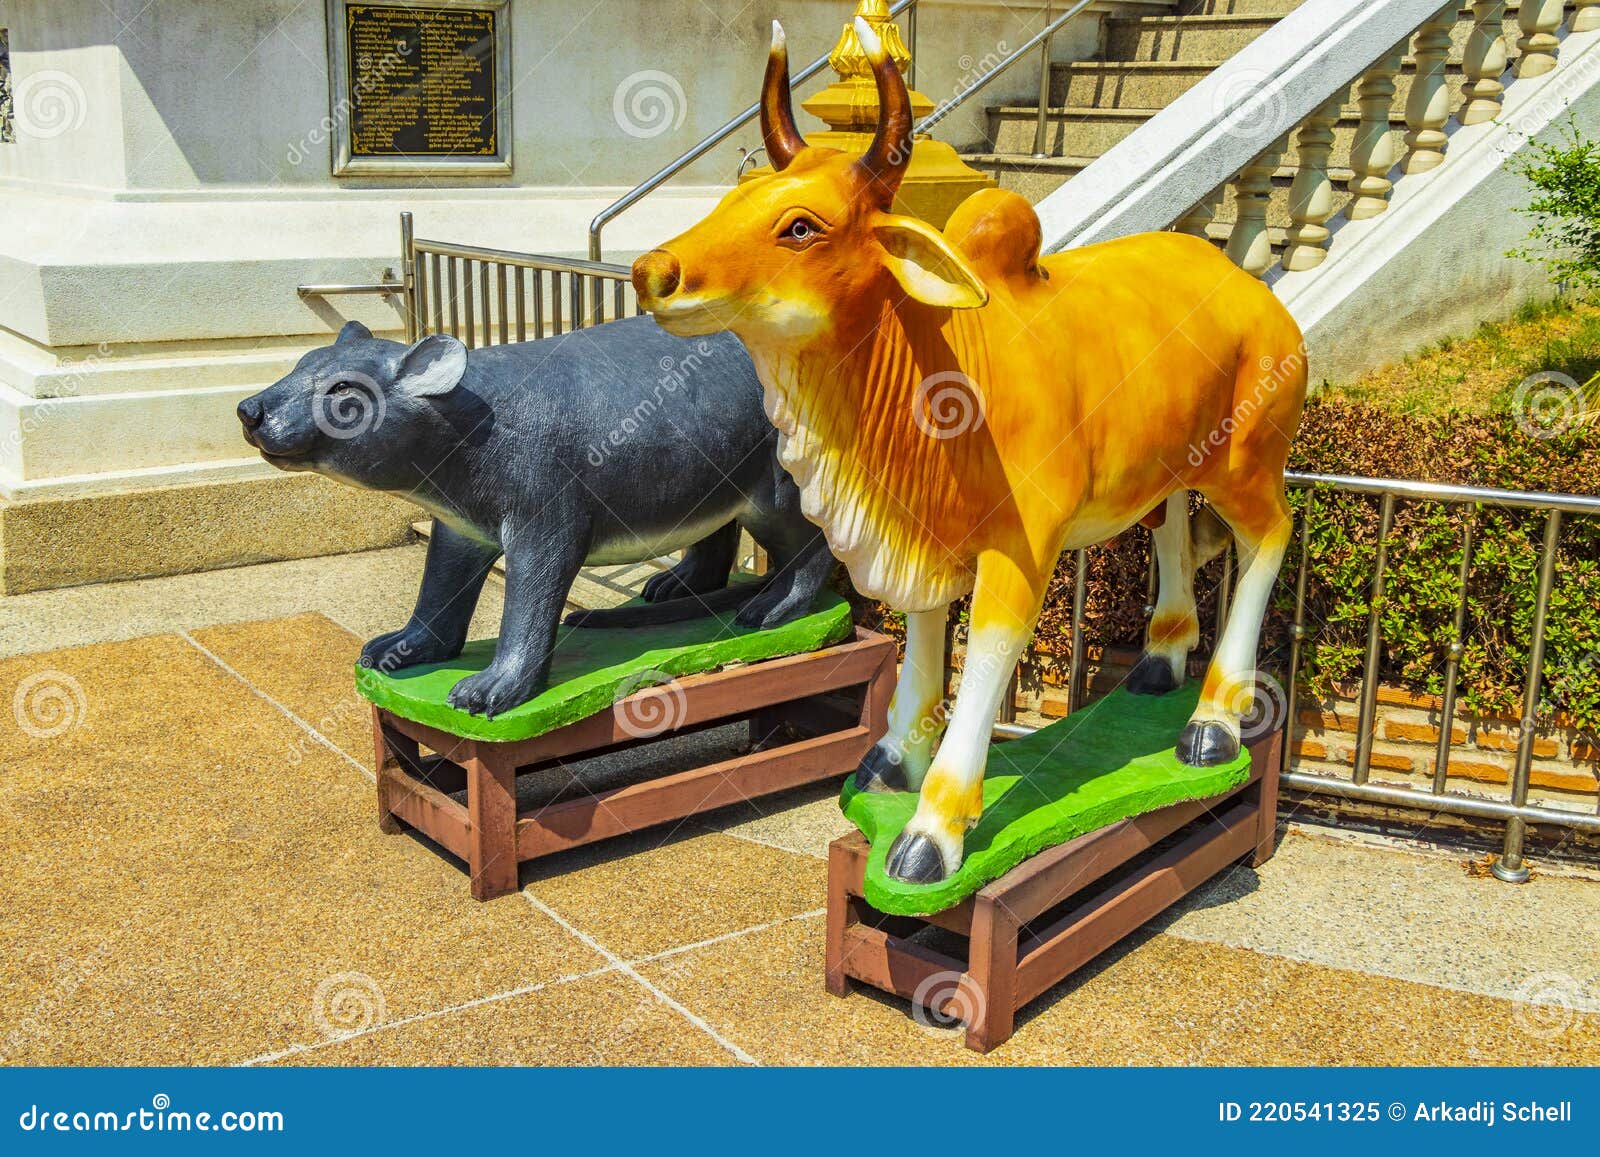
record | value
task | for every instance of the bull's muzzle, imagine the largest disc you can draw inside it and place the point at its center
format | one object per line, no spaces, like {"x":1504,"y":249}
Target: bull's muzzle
{"x":656,"y":277}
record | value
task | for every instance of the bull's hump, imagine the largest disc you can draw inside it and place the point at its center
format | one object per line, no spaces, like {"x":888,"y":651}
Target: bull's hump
{"x":998,"y":232}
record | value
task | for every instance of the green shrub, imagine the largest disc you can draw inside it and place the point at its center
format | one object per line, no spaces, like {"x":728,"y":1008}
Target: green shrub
{"x":1565,"y":209}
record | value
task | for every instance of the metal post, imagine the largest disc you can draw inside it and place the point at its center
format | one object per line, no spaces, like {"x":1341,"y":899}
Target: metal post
{"x":1224,"y":595}
{"x":1366,"y":724}
{"x":1080,"y":591}
{"x":1510,"y":866}
{"x":1297,"y":629}
{"x":1452,"y":668}
{"x":911,"y":45}
{"x":1040,"y":127}
{"x":408,"y":277}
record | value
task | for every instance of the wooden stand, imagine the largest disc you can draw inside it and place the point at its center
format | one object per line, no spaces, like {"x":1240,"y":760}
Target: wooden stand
{"x":835,"y":700}
{"x":1045,"y":918}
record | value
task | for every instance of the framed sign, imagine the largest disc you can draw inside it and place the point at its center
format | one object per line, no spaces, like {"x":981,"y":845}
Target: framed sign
{"x":420,"y":86}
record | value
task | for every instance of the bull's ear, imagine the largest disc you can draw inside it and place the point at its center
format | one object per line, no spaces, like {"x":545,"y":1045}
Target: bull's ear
{"x":926,"y":266}
{"x":432,"y":367}
{"x":352,"y":331}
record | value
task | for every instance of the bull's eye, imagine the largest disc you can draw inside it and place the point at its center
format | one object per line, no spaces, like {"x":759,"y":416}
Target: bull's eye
{"x":799,"y":233}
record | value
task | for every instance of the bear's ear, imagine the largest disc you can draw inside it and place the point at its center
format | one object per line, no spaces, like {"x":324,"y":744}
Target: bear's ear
{"x":432,"y":367}
{"x":353,"y":331}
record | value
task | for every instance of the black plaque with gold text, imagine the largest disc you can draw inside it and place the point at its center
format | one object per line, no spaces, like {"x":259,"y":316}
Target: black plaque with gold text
{"x":421,"y":81}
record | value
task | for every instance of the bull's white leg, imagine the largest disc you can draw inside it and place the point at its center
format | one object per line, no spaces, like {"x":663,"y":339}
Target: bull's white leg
{"x":1181,"y":549}
{"x":1005,"y":605}
{"x":1175,"y":626}
{"x":899,"y":761}
{"x":1212,"y":735}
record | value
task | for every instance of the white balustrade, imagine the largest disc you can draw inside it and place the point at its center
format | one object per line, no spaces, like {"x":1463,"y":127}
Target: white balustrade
{"x":1428,"y":106}
{"x":1311,"y":195}
{"x":1250,"y":243}
{"x":1373,"y":152}
{"x":1539,"y":21}
{"x":1485,"y":63}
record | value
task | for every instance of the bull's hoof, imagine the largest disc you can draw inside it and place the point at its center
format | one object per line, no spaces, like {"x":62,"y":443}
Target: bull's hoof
{"x":1151,"y":675}
{"x":915,"y":860}
{"x":881,"y":770}
{"x":1206,"y":743}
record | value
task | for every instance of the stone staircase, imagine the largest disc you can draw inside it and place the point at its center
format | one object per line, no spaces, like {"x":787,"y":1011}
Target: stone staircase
{"x":1146,"y":62}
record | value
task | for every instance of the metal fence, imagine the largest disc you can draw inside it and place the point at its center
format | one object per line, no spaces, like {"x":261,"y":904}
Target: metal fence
{"x":1514,"y":812}
{"x":491,"y":296}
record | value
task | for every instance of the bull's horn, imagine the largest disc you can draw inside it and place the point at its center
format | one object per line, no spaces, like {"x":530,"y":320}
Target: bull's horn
{"x":778,"y":131}
{"x":886,"y":158}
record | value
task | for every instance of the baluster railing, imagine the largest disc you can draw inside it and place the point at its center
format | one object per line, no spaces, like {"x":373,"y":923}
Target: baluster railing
{"x":1250,"y":243}
{"x":1373,"y":152}
{"x":1539,"y":21}
{"x":1428,"y":106}
{"x":1311,"y":195}
{"x":1484,"y":63}
{"x":1197,"y":221}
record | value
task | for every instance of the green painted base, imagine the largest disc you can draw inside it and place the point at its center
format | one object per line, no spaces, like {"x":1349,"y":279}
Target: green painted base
{"x":593,"y":667}
{"x":1112,"y":760}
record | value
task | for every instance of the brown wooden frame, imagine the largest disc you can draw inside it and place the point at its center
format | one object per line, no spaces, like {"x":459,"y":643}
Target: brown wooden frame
{"x":1010,"y":960}
{"x":796,"y":695}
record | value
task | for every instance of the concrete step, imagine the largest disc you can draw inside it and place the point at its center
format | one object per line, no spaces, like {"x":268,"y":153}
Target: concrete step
{"x":1085,"y":131}
{"x":1157,"y":83}
{"x":1182,"y":37}
{"x":1036,"y":179}
{"x":1080,"y":130}
{"x":1238,"y":7}
{"x":1126,"y":83}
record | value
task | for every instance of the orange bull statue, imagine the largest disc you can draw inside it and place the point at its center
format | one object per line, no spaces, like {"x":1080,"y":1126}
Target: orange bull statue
{"x":958,"y":411}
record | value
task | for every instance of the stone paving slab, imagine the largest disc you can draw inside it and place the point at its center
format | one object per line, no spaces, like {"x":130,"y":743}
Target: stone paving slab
{"x":1161,"y":1001}
{"x":184,"y":883}
{"x":606,"y":1019}
{"x":1411,"y":916}
{"x":649,"y":892}
{"x":194,"y":875}
{"x":303,"y":663}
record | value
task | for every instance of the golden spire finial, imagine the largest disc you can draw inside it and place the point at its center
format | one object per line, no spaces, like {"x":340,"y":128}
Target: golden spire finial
{"x":849,"y":59}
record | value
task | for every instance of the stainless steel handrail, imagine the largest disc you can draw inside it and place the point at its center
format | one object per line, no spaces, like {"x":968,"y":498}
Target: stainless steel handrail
{"x":332,"y":288}
{"x":661,"y":176}
{"x":544,"y":261}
